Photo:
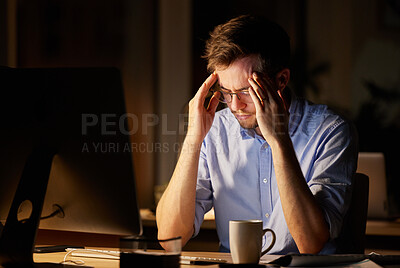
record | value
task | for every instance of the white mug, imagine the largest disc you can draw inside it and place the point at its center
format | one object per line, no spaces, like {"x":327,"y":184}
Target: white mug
{"x":245,"y":240}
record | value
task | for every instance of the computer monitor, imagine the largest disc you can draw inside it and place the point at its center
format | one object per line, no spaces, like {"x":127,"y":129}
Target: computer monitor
{"x":372,"y":164}
{"x":72,"y":122}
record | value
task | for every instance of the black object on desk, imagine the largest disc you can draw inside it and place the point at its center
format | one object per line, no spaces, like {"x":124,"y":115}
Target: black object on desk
{"x":317,"y":260}
{"x":231,"y":265}
{"x":306,"y":260}
{"x":384,"y":259}
{"x":50,"y":249}
{"x":18,"y":236}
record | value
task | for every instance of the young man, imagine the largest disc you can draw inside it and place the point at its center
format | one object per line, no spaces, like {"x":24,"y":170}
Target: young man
{"x":267,"y":156}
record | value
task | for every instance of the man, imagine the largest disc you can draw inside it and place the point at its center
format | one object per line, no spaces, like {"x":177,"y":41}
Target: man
{"x":267,"y":156}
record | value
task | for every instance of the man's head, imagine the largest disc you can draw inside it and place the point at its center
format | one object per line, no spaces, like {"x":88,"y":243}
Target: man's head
{"x":240,"y":47}
{"x":244,"y":36}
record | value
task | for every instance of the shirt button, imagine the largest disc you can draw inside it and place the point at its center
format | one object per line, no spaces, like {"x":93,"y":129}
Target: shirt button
{"x":265,"y":180}
{"x":267,"y":215}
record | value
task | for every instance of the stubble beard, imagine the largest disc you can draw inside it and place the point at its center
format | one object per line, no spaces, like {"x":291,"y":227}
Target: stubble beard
{"x":250,"y":123}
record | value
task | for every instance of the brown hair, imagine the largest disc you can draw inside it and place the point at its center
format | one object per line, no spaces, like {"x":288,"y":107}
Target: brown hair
{"x":247,"y":35}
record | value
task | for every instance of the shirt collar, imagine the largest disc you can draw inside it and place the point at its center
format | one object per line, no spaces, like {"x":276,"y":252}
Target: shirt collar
{"x":247,"y":133}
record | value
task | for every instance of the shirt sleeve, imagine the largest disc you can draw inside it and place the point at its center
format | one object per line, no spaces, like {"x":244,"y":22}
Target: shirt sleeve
{"x":203,"y":191}
{"x":330,"y":178}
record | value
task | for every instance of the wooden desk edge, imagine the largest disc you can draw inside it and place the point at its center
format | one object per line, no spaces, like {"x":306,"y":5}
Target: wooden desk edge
{"x":383,"y":228}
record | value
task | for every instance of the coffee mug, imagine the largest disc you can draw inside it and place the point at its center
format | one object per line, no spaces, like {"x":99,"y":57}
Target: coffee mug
{"x":245,"y":240}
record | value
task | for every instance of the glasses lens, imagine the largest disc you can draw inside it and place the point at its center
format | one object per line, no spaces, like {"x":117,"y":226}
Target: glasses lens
{"x":225,"y":97}
{"x":244,"y":96}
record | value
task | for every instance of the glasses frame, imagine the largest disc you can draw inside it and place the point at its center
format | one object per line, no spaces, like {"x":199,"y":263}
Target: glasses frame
{"x":230,"y":93}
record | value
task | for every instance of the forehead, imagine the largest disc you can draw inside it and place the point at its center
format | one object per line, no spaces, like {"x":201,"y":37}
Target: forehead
{"x":235,"y":76}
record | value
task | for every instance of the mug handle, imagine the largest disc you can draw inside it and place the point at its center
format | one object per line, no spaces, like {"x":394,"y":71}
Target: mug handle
{"x":272,"y":242}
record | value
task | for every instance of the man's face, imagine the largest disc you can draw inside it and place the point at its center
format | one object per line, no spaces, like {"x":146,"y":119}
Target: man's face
{"x":235,"y":78}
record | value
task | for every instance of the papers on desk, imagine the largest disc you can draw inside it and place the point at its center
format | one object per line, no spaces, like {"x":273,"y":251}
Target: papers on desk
{"x":305,"y":260}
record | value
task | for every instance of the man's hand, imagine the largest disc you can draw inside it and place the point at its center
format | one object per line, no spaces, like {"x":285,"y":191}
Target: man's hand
{"x":200,"y":118}
{"x":271,"y":111}
{"x":306,"y":222}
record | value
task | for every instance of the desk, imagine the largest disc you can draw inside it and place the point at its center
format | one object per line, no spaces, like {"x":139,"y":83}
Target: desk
{"x":374,"y":228}
{"x":107,"y":263}
{"x":383,"y":227}
{"x":381,"y":235}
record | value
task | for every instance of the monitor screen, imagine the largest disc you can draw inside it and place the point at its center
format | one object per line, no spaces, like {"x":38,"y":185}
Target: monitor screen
{"x":80,"y":113}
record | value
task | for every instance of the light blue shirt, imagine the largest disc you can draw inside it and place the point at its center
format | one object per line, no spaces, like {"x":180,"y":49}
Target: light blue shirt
{"x":236,"y":173}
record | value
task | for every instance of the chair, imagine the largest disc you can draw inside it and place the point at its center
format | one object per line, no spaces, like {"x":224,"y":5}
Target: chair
{"x":352,"y":237}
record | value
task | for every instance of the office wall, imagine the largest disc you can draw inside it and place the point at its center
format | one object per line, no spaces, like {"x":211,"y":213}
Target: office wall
{"x":360,"y":42}
{"x":3,"y":33}
{"x":8,"y":33}
{"x":139,"y":68}
{"x":330,"y":34}
{"x":92,"y":33}
{"x":174,"y":81}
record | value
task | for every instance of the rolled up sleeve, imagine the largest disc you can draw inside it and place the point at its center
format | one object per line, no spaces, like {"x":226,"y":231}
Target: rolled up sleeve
{"x":330,"y":179}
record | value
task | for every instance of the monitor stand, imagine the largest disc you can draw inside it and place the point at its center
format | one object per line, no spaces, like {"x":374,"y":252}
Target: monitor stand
{"x":17,"y":239}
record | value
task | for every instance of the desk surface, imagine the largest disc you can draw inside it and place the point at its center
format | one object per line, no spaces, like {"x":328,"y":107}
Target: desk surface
{"x":382,"y":227}
{"x":108,"y":263}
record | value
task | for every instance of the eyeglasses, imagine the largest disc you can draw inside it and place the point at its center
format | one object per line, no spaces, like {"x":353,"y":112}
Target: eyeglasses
{"x":226,"y":96}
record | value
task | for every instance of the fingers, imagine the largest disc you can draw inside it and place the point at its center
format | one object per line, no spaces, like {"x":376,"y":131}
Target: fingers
{"x":283,"y":101}
{"x":258,"y":91}
{"x":258,"y":87}
{"x":205,"y":87}
{"x":256,"y":99}
{"x":267,"y":86}
{"x":199,"y":99}
{"x":213,"y":104}
{"x":264,"y":86}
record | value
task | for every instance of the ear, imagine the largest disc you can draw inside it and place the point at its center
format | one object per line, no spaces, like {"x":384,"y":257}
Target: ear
{"x":282,"y":78}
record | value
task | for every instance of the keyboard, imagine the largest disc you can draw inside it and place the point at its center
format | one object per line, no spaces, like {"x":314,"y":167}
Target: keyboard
{"x":200,"y":260}
{"x":112,"y":254}
{"x":93,"y":253}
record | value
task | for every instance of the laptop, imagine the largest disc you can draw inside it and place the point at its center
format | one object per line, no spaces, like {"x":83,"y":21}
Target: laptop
{"x":373,"y":165}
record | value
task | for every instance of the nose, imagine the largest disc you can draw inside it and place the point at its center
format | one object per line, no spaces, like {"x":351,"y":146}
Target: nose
{"x":237,"y":104}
